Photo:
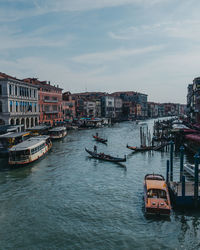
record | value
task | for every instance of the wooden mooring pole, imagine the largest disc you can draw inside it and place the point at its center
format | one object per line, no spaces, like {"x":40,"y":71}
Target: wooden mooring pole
{"x":196,"y":180}
{"x":171,"y":160}
{"x":167,"y":172}
{"x":183,"y":185}
{"x":181,"y":161}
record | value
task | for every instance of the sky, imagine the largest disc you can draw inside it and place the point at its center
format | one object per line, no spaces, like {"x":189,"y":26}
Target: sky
{"x":147,"y":46}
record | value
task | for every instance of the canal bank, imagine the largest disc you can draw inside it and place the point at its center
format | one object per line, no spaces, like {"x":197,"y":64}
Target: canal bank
{"x":70,"y":201}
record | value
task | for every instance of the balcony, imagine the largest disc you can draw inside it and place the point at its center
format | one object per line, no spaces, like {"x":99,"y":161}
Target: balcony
{"x":50,"y":101}
{"x":51,"y":112}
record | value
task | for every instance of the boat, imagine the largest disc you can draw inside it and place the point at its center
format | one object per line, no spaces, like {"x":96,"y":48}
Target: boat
{"x":11,"y":139}
{"x":156,"y":195}
{"x":39,"y":130}
{"x":190,"y":169}
{"x":140,"y":149}
{"x":105,"y":157}
{"x":29,"y":150}
{"x":99,"y":139}
{"x":57,"y":133}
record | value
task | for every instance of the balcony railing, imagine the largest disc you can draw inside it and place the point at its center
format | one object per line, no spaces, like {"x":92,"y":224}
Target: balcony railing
{"x":50,"y":101}
{"x":51,"y":112}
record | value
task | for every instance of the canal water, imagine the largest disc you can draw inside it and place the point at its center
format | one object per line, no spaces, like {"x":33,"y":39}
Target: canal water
{"x":70,"y":201}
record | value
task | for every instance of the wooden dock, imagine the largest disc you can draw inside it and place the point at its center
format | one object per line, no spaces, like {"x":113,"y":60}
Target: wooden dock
{"x":184,"y":195}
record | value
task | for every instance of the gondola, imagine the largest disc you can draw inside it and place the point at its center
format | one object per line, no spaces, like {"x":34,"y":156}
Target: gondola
{"x":140,"y":149}
{"x":104,"y":157}
{"x":99,"y":139}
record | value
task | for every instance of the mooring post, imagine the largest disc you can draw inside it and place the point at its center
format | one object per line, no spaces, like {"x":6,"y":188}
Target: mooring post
{"x":183,"y":185}
{"x":171,"y":160}
{"x":196,"y":179}
{"x":181,"y":161}
{"x":167,"y":172}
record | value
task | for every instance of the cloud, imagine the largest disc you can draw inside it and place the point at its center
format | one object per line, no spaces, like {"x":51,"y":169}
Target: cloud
{"x":188,"y":29}
{"x":12,"y":13}
{"x":96,"y":58}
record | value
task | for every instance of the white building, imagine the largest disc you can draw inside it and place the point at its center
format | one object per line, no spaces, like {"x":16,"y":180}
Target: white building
{"x":18,"y":102}
{"x":118,"y":107}
{"x":108,"y":106}
{"x":90,"y":109}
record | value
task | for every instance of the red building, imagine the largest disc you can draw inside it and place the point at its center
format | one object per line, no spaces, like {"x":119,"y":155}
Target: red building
{"x":49,"y":101}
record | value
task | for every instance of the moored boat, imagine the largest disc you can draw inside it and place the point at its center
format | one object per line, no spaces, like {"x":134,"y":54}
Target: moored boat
{"x":190,"y":169}
{"x":57,"y":132}
{"x":105,"y":157}
{"x":156,"y":195}
{"x":11,"y":139}
{"x":140,"y":149}
{"x":29,"y":150}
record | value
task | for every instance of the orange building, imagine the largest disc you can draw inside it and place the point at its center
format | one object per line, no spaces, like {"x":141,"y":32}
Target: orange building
{"x":49,"y":101}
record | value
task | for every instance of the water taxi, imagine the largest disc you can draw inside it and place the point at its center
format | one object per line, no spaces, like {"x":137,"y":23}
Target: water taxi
{"x":156,"y":195}
{"x":29,"y":150}
{"x":57,"y":132}
{"x":10,"y":139}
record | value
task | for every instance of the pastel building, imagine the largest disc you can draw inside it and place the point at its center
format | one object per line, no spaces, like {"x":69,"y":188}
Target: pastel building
{"x":18,"y":102}
{"x":49,"y":100}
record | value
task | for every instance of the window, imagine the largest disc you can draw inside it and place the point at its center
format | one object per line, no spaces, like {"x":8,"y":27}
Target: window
{"x":11,"y":106}
{"x":16,"y":90}
{"x":46,"y":98}
{"x":16,"y":106}
{"x":10,"y":89}
{"x":55,"y":108}
{"x":1,"y":108}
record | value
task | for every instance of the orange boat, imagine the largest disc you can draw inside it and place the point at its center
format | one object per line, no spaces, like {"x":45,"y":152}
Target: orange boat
{"x":156,"y":195}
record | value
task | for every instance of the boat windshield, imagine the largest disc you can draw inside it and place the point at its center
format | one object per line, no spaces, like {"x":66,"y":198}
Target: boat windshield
{"x":155,"y":177}
{"x":157,"y":193}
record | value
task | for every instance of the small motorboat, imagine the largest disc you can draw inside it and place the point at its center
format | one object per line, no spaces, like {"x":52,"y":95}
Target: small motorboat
{"x":156,"y":195}
{"x":140,"y":149}
{"x":105,"y":157}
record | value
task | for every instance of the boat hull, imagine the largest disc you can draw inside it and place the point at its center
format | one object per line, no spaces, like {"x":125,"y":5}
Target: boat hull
{"x":105,"y":157}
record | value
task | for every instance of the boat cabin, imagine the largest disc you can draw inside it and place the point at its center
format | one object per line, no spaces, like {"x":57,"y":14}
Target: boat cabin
{"x":10,"y":139}
{"x":39,"y":130}
{"x":29,"y":150}
{"x":58,"y":132}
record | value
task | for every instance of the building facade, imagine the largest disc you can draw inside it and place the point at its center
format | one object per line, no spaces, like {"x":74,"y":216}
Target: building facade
{"x":108,"y":106}
{"x":18,"y":102}
{"x":49,"y":100}
{"x":68,"y":106}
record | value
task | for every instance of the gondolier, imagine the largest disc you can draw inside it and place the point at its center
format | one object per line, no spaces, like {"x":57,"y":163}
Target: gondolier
{"x":95,"y":148}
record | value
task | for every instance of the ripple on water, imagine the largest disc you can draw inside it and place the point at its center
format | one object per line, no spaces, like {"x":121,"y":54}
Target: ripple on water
{"x":70,"y":201}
